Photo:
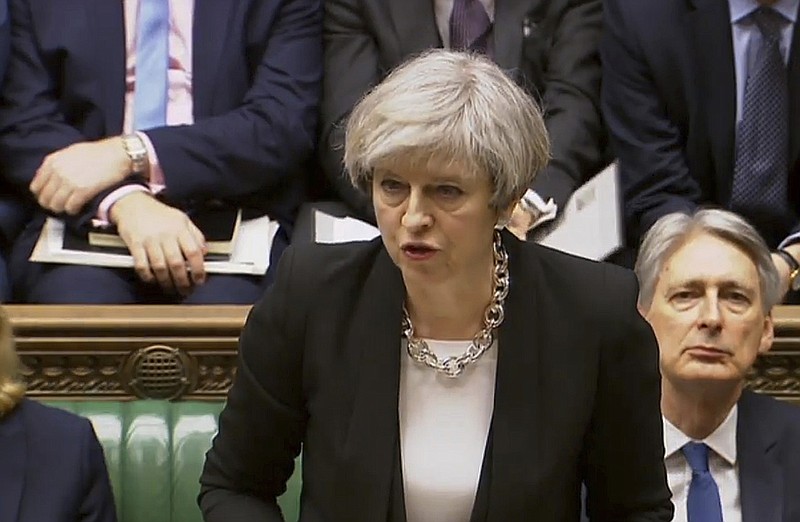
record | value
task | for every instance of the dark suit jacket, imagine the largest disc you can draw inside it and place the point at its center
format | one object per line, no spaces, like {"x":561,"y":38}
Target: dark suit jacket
{"x":669,"y":98}
{"x":768,"y":448}
{"x":256,"y":67}
{"x":557,"y":62}
{"x":577,"y":395}
{"x":52,"y":468}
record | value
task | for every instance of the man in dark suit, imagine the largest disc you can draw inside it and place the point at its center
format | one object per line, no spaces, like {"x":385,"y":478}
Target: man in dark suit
{"x":707,"y":287}
{"x":109,"y":104}
{"x":702,"y":99}
{"x":549,"y":47}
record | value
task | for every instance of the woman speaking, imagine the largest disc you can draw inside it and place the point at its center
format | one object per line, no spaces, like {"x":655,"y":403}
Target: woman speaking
{"x":446,"y":371}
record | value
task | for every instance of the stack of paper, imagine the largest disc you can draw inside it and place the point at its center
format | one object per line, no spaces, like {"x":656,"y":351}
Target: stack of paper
{"x":250,"y":253}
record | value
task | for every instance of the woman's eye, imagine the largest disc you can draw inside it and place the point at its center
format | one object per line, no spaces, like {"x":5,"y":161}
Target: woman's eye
{"x":449,"y":191}
{"x":391,"y":185}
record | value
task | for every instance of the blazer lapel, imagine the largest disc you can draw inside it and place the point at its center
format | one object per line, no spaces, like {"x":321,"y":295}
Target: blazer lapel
{"x":13,"y":453}
{"x":760,"y":478}
{"x":710,"y":30}
{"x":370,"y":454}
{"x":105,"y":42}
{"x":415,"y":25}
{"x":212,"y":21}
{"x":509,"y":17}
{"x":794,"y":95}
{"x":513,"y":440}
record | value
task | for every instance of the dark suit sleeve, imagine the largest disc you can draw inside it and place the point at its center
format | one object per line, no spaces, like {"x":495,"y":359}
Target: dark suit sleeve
{"x":97,"y":504}
{"x":31,"y":122}
{"x":654,"y":172}
{"x":270,"y":136}
{"x":262,"y":425}
{"x":352,"y":67}
{"x":571,"y":101}
{"x":625,"y":477}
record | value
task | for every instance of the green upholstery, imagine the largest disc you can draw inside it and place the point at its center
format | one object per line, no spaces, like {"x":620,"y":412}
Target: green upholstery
{"x":155,"y":452}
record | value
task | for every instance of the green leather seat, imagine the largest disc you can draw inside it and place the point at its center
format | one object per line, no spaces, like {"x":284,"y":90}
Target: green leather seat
{"x":155,"y":452}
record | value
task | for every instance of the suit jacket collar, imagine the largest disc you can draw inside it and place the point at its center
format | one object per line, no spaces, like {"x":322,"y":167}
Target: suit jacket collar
{"x":509,"y":17}
{"x":711,"y":37}
{"x":415,"y":26}
{"x":371,"y":456}
{"x":13,"y":454}
{"x":760,"y":478}
{"x":105,"y":38}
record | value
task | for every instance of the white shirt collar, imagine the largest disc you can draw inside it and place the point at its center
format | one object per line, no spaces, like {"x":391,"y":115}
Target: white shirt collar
{"x":722,"y":441}
{"x":740,"y":9}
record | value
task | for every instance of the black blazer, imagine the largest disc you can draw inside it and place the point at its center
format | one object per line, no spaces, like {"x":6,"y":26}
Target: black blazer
{"x":548,"y":46}
{"x":576,"y":399}
{"x":768,"y":448}
{"x":52,"y":468}
{"x":669,"y":98}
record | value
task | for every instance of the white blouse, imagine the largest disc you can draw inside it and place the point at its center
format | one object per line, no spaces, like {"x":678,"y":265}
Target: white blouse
{"x":444,"y":424}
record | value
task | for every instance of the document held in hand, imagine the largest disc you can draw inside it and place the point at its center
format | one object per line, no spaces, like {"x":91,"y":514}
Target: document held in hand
{"x":590,"y":225}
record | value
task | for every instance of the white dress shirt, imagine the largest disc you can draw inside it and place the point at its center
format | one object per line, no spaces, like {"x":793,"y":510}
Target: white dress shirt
{"x":444,"y":425}
{"x":722,"y":464}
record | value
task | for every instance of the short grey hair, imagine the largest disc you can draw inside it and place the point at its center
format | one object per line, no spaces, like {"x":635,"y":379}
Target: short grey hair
{"x":673,"y":230}
{"x":451,"y":106}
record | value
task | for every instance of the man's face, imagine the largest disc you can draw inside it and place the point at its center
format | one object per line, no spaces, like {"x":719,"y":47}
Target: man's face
{"x":707,"y":313}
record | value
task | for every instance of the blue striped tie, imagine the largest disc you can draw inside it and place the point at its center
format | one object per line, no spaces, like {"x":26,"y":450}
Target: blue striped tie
{"x":152,"y":62}
{"x":703,"y":504}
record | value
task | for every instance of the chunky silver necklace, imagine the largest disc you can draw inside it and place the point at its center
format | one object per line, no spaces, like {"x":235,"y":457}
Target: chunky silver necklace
{"x":454,"y":366}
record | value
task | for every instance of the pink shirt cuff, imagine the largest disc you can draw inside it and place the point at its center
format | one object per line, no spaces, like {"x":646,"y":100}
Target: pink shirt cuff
{"x":156,"y":174}
{"x":105,"y":205}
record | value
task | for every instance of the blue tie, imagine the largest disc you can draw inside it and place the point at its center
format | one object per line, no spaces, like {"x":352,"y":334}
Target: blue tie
{"x":152,"y":61}
{"x":703,"y":504}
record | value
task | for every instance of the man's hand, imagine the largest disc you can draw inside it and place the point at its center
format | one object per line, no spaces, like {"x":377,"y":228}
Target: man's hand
{"x":784,"y":270}
{"x":69,"y":178}
{"x":521,"y":222}
{"x":162,"y":240}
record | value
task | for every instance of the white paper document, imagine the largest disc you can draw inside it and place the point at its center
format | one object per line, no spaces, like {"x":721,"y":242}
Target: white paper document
{"x":330,"y":229}
{"x":591,"y":224}
{"x":250,"y":254}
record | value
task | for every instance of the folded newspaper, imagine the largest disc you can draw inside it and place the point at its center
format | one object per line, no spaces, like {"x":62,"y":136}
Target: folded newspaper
{"x":250,"y":254}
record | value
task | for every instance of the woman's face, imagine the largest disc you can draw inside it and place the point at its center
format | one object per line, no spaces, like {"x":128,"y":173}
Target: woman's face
{"x":435,"y":219}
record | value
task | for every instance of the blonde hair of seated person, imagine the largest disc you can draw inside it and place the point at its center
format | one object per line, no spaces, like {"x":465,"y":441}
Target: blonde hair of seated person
{"x":11,"y":387}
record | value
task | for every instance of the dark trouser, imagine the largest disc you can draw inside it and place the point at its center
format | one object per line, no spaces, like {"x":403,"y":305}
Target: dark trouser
{"x":48,"y":283}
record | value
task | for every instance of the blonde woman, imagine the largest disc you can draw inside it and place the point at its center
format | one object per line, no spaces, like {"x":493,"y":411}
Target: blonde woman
{"x":52,"y":467}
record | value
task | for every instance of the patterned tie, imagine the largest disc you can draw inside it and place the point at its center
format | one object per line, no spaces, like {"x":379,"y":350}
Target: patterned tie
{"x":470,"y":27}
{"x":152,"y":61}
{"x":762,"y":147}
{"x":703,"y":504}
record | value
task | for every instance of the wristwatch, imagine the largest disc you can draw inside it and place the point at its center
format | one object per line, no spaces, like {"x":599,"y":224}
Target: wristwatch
{"x":794,"y":268}
{"x":137,"y":152}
